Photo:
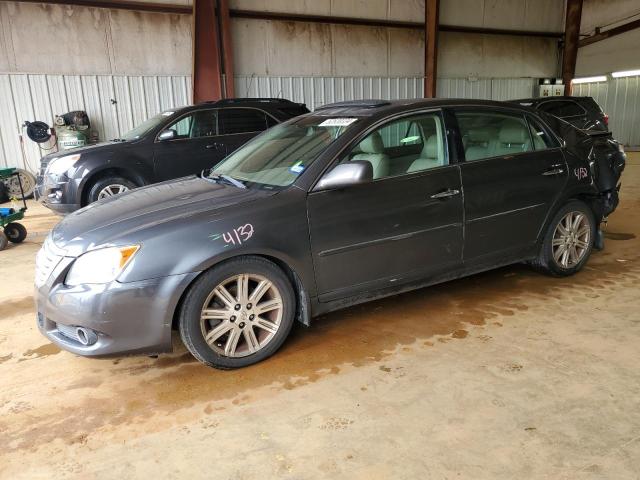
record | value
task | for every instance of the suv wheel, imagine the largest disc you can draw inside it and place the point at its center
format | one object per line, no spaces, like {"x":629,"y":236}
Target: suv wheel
{"x":568,"y":241}
{"x":108,"y":187}
{"x":238,"y":313}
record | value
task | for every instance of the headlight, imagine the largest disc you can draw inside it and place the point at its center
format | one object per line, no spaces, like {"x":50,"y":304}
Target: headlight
{"x":100,"y":266}
{"x":60,"y":165}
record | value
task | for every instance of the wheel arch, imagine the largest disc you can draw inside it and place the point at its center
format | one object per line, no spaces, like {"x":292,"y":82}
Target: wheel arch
{"x":303,"y":303}
{"x":97,"y":175}
{"x":588,"y":198}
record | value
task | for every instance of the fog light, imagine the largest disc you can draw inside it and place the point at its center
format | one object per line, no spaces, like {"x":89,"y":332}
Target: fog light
{"x":56,"y":195}
{"x":86,"y":336}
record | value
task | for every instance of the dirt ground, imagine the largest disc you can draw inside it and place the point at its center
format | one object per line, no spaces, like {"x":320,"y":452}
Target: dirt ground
{"x":504,"y":375}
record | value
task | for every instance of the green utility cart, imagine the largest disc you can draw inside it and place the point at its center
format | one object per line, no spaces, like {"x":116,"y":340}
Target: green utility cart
{"x":12,"y":231}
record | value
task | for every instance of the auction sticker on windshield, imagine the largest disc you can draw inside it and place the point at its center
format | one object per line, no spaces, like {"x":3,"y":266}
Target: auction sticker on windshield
{"x":338,"y":122}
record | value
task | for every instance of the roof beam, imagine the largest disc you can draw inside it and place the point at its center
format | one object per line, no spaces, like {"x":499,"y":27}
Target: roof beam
{"x":121,"y":5}
{"x":599,"y":35}
{"x":288,"y":17}
{"x":291,"y":17}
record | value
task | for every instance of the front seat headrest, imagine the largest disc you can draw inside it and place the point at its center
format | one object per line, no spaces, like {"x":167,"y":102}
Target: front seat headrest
{"x":513,"y":131}
{"x":372,"y":144}
{"x":430,"y":149}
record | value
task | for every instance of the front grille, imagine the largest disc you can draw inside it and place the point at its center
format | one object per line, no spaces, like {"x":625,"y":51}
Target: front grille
{"x":47,"y":259}
{"x":44,"y":163}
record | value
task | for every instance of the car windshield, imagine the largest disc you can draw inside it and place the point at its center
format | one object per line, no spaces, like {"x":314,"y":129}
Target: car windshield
{"x":278,"y":156}
{"x":146,"y":126}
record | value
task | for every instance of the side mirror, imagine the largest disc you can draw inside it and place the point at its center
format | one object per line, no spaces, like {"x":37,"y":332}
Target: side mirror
{"x":168,"y":134}
{"x":349,"y":173}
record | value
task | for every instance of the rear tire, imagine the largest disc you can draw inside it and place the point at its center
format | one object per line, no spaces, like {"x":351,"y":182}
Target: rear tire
{"x":238,"y":313}
{"x":4,"y":241}
{"x":568,"y":241}
{"x":108,"y":187}
{"x":15,"y":232}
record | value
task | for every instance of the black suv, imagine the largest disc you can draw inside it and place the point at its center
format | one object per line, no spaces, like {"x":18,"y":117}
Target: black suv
{"x":581,"y":112}
{"x":172,"y":144}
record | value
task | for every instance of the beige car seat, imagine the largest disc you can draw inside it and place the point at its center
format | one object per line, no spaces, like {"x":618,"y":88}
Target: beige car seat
{"x":372,"y":150}
{"x":429,"y":158}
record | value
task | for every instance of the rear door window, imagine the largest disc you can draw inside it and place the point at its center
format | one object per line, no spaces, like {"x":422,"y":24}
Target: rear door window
{"x":241,"y":120}
{"x":541,"y":138}
{"x":493,"y":134}
{"x":562,"y":108}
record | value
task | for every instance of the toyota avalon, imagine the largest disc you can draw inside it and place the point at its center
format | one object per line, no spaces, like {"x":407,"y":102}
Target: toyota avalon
{"x":353,"y":202}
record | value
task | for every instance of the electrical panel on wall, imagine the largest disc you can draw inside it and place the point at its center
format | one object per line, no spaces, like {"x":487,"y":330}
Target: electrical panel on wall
{"x":550,"y":87}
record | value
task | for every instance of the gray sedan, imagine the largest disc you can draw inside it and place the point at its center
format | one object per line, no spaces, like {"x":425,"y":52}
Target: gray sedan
{"x":353,"y":202}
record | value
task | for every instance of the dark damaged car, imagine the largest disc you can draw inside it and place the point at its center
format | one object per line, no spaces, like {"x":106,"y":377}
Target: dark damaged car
{"x":353,"y":202}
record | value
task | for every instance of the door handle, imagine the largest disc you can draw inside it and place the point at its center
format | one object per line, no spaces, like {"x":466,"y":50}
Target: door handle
{"x":213,"y":145}
{"x":446,"y":194}
{"x":553,"y":171}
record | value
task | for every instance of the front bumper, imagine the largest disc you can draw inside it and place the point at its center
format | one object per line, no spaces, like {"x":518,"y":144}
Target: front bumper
{"x":57,"y":192}
{"x":127,"y":318}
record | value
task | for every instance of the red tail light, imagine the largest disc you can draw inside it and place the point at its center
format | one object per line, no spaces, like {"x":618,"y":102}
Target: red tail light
{"x":606,"y":119}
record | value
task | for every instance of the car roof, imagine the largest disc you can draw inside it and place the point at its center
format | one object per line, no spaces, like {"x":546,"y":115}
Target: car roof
{"x":373,"y":108}
{"x":555,"y":97}
{"x":263,"y":103}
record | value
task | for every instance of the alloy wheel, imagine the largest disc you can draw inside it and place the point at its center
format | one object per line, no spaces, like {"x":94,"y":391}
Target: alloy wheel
{"x":571,"y":239}
{"x":241,"y":315}
{"x":111,"y":190}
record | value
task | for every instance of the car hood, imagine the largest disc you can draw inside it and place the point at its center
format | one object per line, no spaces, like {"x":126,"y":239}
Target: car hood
{"x":102,"y":147}
{"x":127,"y":215}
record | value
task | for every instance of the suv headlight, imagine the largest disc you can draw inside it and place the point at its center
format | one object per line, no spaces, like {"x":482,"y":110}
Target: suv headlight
{"x":100,"y":266}
{"x":60,"y":165}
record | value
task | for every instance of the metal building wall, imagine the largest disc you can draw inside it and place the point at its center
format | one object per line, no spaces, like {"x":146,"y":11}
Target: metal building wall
{"x":620,"y":98}
{"x":114,"y":103}
{"x":316,"y":91}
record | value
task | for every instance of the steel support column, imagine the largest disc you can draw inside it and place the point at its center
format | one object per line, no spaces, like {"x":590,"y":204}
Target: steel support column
{"x":207,"y":78}
{"x":571,"y":39}
{"x":431,"y":20}
{"x":227,"y":47}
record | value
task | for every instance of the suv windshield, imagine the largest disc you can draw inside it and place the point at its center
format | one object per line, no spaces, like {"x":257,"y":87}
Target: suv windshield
{"x":146,"y":126}
{"x":278,"y":156}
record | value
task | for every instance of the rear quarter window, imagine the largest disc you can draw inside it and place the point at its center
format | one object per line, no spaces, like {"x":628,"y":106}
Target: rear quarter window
{"x":562,"y":108}
{"x":293,"y":111}
{"x":241,"y":120}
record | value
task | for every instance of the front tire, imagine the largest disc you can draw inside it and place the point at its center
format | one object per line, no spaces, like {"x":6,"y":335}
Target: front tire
{"x":238,"y":313}
{"x":109,"y":187}
{"x":568,"y":241}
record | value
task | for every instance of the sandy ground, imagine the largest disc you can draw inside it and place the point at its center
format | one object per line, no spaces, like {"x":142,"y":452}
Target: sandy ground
{"x":503,"y":375}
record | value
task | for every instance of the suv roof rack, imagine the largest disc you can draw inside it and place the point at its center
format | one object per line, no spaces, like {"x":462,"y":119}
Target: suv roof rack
{"x":356,"y":103}
{"x":232,"y":101}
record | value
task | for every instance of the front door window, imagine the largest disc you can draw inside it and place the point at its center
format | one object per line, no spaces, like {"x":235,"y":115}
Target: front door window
{"x":404,"y":146}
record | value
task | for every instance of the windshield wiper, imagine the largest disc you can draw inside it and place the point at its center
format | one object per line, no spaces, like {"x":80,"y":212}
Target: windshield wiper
{"x":118,"y":140}
{"x":221,"y":176}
